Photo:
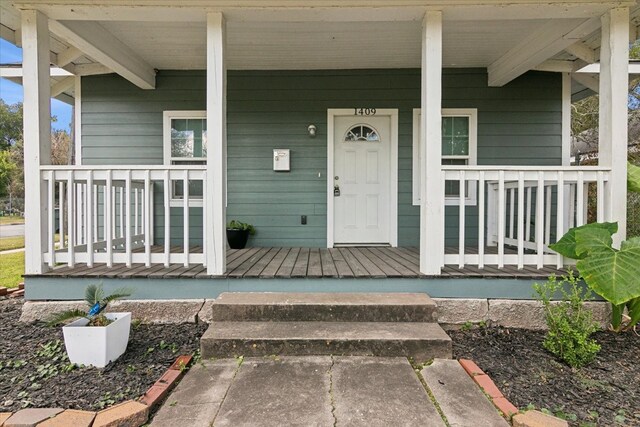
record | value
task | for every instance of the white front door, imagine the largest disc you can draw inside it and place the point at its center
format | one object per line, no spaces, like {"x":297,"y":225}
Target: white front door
{"x":362,"y":165}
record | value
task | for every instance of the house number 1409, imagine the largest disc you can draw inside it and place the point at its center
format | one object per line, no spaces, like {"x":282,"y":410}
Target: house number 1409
{"x":364,"y":111}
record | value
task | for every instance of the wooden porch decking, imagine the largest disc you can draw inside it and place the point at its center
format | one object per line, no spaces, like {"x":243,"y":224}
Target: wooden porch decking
{"x":287,"y":263}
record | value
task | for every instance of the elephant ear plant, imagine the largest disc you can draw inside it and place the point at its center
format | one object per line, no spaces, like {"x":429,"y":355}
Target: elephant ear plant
{"x":612,"y":273}
{"x":97,"y":302}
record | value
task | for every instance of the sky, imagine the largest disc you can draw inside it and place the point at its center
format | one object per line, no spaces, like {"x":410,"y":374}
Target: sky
{"x":11,"y":92}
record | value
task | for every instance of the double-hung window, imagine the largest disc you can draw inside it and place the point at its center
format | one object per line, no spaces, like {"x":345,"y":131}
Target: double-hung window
{"x":459,"y":147}
{"x":185,"y":143}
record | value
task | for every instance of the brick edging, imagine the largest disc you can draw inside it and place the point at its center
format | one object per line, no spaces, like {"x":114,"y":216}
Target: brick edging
{"x":130,"y":413}
{"x":487,"y":385}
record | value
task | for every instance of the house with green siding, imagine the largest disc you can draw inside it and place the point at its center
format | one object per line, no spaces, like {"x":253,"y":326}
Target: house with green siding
{"x":374,"y":146}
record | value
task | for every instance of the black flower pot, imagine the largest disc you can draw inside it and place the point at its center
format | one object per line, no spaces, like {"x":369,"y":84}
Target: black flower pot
{"x":237,"y":238}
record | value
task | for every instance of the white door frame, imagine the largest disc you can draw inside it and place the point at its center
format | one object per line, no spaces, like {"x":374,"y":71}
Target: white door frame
{"x":332,"y":113}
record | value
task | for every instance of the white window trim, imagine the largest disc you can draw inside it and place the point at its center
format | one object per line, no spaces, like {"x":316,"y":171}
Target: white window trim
{"x":167,"y":116}
{"x":472,"y":113}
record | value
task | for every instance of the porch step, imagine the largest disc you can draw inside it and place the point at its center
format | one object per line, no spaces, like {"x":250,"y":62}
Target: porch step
{"x":328,"y":307}
{"x":420,"y":340}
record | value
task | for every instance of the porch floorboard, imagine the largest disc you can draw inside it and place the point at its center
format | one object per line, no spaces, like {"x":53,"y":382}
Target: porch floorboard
{"x":286,"y":263}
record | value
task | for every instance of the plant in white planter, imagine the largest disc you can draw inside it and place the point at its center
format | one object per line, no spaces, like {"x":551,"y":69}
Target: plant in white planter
{"x":94,"y":338}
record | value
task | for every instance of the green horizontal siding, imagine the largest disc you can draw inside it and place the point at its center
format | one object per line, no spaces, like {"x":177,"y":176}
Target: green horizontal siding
{"x":518,"y":124}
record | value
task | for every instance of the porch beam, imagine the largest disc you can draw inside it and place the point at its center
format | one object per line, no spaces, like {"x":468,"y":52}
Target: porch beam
{"x":432,"y":184}
{"x":62,"y":86}
{"x":581,"y":51}
{"x":37,"y":135}
{"x":587,"y":81}
{"x":612,"y":147}
{"x":215,"y":194}
{"x":552,"y":38}
{"x":98,"y":43}
{"x":68,"y":56}
{"x":91,"y":69}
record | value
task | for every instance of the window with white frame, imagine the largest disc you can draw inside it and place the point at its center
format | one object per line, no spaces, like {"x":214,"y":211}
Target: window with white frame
{"x":185,"y":143}
{"x":459,"y":147}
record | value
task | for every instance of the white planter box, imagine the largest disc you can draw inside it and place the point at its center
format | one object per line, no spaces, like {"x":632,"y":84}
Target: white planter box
{"x":97,"y":345}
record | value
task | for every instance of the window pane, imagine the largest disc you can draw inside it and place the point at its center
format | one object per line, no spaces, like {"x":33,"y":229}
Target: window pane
{"x":447,"y":126}
{"x":455,"y":136}
{"x":188,"y":138}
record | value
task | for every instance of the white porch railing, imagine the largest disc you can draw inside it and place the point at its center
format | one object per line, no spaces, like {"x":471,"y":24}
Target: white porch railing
{"x":523,"y":210}
{"x":106,"y":214}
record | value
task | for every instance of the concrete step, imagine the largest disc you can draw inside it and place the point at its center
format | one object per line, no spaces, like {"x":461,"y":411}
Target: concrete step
{"x":328,"y":307}
{"x":422,"y":341}
{"x":460,"y":399}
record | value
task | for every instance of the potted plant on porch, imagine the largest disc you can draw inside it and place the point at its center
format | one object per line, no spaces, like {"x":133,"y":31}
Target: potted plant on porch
{"x":238,"y":233}
{"x":95,"y":338}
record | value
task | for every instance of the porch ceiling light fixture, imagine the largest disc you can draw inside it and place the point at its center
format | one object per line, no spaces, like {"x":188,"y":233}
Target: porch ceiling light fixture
{"x":312,"y":131}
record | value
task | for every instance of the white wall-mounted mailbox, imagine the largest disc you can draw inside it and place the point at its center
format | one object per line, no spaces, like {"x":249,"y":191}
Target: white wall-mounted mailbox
{"x":281,"y":159}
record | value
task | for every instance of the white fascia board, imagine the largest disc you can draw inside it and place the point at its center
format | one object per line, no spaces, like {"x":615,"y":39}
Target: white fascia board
{"x":634,"y":68}
{"x":98,"y":43}
{"x":8,"y":72}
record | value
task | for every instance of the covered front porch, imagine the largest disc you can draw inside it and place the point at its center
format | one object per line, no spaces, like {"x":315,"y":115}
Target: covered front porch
{"x":134,"y":213}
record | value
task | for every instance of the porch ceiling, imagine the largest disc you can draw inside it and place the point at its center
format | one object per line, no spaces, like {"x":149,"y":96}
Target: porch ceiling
{"x":319,"y":45}
{"x":287,"y":35}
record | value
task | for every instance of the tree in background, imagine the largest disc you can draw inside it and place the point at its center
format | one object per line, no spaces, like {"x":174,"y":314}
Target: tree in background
{"x":12,"y":150}
{"x":10,"y":124}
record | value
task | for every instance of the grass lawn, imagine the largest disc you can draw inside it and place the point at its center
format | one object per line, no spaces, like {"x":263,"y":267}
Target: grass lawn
{"x":11,"y":220}
{"x":13,"y":242}
{"x":11,"y":269}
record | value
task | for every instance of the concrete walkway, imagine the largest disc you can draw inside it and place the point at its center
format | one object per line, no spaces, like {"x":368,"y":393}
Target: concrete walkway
{"x":319,"y":391}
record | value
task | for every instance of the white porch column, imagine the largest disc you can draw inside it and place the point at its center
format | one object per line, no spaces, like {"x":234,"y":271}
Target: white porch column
{"x":614,"y":82}
{"x":216,"y":181}
{"x":432,"y":186}
{"x":37,"y":134}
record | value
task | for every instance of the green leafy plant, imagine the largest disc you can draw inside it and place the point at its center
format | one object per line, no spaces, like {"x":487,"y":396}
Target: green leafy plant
{"x":239,"y":225}
{"x":570,"y":324}
{"x":97,"y":302}
{"x":612,"y":273}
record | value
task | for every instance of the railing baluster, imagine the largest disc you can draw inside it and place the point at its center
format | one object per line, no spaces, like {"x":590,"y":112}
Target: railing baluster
{"x":61,"y":191}
{"x":167,"y":220}
{"x":580,"y":200}
{"x":527,"y":225}
{"x":572,"y":205}
{"x":90,"y":219}
{"x":560,"y":215}
{"x":185,"y":214}
{"x":547,"y":221}
{"x":461,"y":221}
{"x":121,"y":191}
{"x":512,"y":211}
{"x":520,"y":220}
{"x":600,"y":195}
{"x":95,"y":212}
{"x":135,"y":212}
{"x":109,"y":218}
{"x":51,"y":237}
{"x":501,"y":218}
{"x":540,"y":220}
{"x":127,"y":230}
{"x":147,"y":219}
{"x":481,"y":220}
{"x":70,"y":218}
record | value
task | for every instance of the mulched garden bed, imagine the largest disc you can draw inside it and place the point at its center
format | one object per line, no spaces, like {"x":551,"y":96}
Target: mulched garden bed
{"x":35,"y":370}
{"x":604,"y":393}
